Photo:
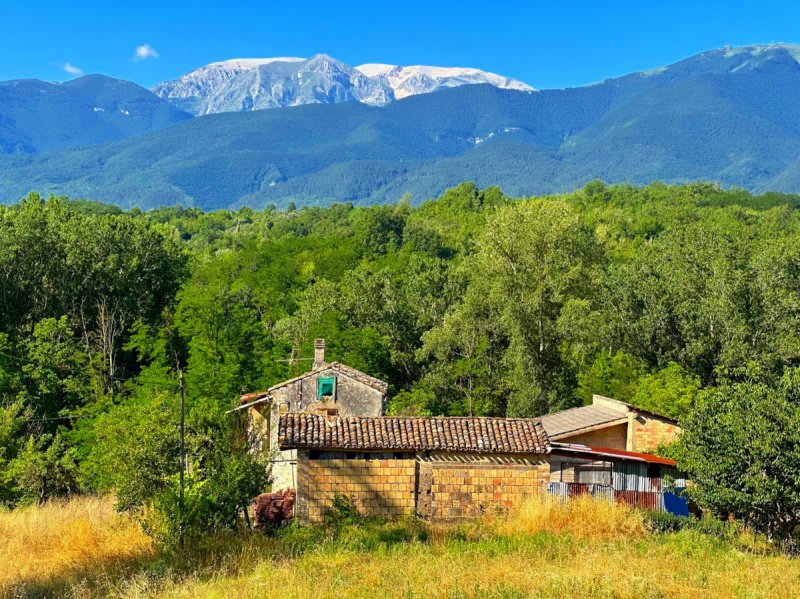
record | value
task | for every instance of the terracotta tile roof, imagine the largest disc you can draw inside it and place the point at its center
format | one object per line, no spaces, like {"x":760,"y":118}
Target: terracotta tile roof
{"x":576,"y":419}
{"x":248,"y":397}
{"x":491,"y":435}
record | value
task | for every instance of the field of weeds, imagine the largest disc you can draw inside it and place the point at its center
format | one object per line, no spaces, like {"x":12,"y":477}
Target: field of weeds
{"x":584,"y":548}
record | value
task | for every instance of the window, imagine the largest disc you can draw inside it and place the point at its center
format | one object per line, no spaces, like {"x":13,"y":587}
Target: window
{"x":653,"y":471}
{"x":596,"y":474}
{"x":326,"y":386}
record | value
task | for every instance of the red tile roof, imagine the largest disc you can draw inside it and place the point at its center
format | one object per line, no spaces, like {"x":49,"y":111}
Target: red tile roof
{"x":248,"y":397}
{"x":474,"y":435}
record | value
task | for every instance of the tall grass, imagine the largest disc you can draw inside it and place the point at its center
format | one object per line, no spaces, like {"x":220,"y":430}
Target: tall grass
{"x":66,"y":541}
{"x":582,"y":548}
{"x":581,"y":517}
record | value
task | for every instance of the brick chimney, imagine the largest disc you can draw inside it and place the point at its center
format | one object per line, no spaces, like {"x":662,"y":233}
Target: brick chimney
{"x":319,"y":353}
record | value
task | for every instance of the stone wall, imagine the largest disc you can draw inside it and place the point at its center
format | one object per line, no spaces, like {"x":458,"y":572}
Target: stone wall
{"x":378,"y":487}
{"x":649,"y":432}
{"x":615,"y":437}
{"x":453,"y":486}
{"x":353,"y":398}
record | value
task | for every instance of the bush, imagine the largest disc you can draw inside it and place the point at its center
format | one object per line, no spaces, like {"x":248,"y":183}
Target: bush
{"x":343,"y":511}
{"x":665,"y":522}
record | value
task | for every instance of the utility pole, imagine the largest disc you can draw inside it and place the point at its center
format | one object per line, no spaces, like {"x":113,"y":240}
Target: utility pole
{"x":181,"y":387}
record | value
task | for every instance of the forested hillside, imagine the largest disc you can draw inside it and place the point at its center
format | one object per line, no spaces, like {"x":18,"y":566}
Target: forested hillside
{"x":474,"y":303}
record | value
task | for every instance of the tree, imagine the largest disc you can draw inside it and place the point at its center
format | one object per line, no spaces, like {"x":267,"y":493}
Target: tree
{"x":44,"y":468}
{"x":466,"y":373}
{"x":741,"y":449}
{"x":532,"y":259}
{"x":670,"y":391}
{"x":614,"y":376}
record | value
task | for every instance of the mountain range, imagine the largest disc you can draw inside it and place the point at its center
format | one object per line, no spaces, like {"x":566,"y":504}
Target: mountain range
{"x":729,"y":115}
{"x":259,"y":83}
{"x":37,"y":116}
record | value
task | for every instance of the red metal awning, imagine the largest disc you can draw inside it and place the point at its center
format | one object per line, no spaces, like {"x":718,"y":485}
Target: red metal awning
{"x":608,"y":452}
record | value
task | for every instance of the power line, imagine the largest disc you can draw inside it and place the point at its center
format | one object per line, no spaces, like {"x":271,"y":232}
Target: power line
{"x":53,"y":418}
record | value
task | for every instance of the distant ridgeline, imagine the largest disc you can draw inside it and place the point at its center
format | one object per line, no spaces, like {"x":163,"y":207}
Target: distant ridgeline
{"x":728,"y":115}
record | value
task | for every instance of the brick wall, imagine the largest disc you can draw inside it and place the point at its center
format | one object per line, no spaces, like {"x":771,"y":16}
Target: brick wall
{"x":378,"y":487}
{"x":649,"y":432}
{"x":615,"y":437}
{"x":470,"y":486}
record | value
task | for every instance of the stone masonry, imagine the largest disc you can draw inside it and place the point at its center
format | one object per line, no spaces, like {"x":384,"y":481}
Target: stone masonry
{"x":612,"y":436}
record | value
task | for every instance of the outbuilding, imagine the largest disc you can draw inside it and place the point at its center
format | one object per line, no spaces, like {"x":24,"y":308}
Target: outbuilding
{"x":452,"y":468}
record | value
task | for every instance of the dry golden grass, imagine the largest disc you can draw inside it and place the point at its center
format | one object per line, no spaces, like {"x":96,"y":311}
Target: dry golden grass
{"x":583,"y":548}
{"x":65,"y":540}
{"x":580,"y":517}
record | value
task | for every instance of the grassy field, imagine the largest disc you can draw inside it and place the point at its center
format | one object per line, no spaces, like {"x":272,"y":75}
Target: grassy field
{"x":582,"y":549}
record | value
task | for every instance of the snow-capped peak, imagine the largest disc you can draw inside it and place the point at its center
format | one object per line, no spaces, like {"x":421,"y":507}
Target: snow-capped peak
{"x":421,"y":79}
{"x":376,"y":69}
{"x":243,"y":84}
{"x":251,"y":63}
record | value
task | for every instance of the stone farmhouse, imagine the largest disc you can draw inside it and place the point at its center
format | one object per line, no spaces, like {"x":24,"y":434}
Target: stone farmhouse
{"x":328,"y":436}
{"x":330,"y":389}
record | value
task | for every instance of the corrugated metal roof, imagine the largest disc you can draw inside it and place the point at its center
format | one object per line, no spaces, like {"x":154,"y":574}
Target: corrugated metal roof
{"x":476,"y":435}
{"x":576,"y":419}
{"x":612,"y":453}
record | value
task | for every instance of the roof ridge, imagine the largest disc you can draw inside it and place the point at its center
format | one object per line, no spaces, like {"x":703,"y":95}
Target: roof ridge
{"x":298,"y":430}
{"x":372,"y":381}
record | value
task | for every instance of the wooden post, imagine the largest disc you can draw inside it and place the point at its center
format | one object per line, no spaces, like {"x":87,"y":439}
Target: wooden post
{"x":181,"y":387}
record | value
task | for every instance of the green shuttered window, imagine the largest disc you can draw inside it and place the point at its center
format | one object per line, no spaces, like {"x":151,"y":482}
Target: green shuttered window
{"x":326,"y":385}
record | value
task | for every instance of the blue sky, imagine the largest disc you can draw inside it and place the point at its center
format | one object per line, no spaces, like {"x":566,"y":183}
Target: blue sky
{"x":546,"y":44}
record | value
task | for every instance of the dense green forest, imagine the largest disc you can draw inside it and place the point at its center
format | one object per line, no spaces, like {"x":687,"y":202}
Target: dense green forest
{"x":669,"y":297}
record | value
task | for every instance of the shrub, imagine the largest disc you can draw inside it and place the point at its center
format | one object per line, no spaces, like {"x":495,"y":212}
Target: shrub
{"x":343,"y":511}
{"x":665,"y":522}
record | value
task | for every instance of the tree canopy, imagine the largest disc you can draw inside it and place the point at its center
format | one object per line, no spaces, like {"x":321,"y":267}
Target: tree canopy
{"x":473,"y":303}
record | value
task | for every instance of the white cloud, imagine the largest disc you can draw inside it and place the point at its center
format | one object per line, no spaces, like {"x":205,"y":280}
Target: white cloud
{"x":72,"y":69}
{"x":144,"y":52}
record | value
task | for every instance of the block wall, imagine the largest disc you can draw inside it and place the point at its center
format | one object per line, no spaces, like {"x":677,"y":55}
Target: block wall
{"x":614,"y":437}
{"x":649,"y":432}
{"x":378,"y":487}
{"x":473,"y":486}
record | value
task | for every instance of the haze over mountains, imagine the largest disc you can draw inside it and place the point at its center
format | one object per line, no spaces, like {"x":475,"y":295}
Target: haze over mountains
{"x":728,"y":115}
